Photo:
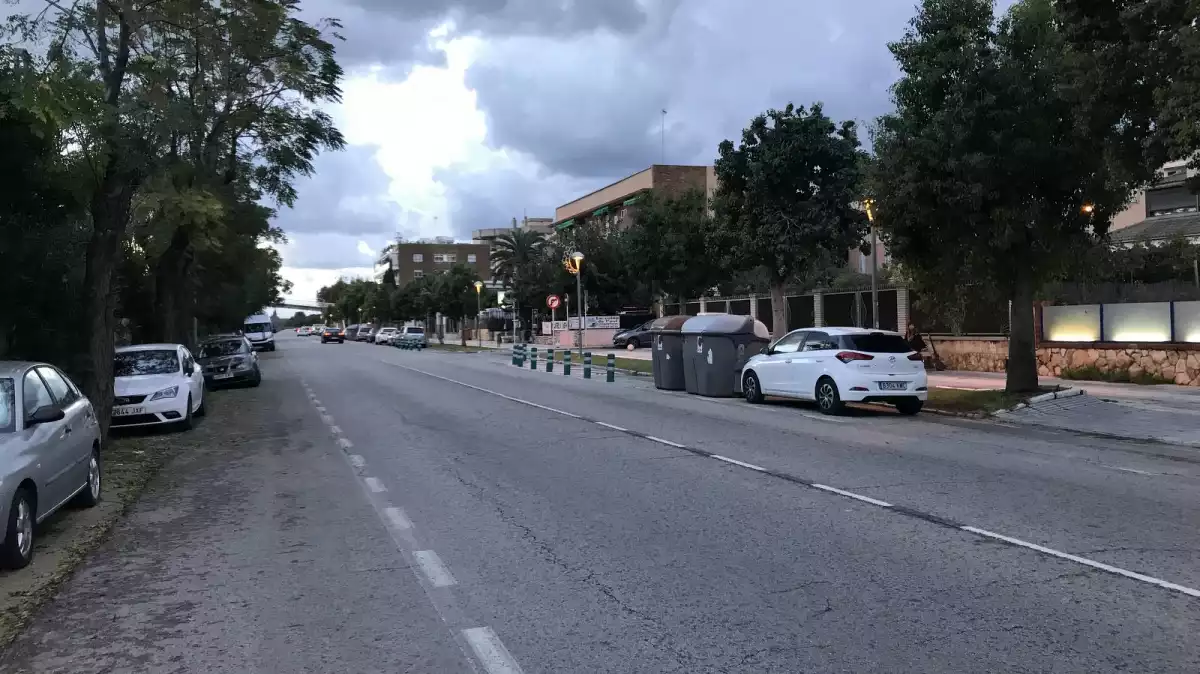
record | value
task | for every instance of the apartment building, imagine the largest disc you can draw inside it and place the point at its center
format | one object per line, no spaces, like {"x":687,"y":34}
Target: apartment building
{"x":412,"y":260}
{"x":1164,"y":211}
{"x":609,"y":206}
{"x":488,"y":236}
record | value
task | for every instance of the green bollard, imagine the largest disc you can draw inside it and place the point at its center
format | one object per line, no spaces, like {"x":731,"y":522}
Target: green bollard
{"x":514,"y":355}
{"x":550,"y":360}
{"x":610,"y":374}
{"x":533,"y":358}
{"x":587,"y":364}
{"x":567,"y":364}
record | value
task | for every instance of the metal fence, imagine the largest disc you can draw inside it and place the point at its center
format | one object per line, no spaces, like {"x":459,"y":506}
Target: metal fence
{"x":846,"y":308}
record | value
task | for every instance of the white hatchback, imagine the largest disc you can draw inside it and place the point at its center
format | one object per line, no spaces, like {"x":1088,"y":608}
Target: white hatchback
{"x":837,"y":365}
{"x":156,"y":384}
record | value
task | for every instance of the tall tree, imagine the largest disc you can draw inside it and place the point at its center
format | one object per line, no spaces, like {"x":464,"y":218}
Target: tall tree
{"x":786,"y":197}
{"x":667,"y":245}
{"x":982,"y":169}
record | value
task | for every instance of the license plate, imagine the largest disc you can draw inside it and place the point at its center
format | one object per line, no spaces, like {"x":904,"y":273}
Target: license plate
{"x":127,"y":411}
{"x":893,"y":385}
{"x":224,"y":375}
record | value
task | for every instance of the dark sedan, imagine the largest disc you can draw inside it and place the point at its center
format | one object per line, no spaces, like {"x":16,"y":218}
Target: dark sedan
{"x":333,"y":333}
{"x":228,"y":361}
{"x":633,"y":338}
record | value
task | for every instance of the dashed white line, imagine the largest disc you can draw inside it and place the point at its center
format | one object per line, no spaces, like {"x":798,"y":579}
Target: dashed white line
{"x":316,"y":402}
{"x":322,"y":410}
{"x":345,"y":443}
{"x":850,"y":494}
{"x":1191,"y":592}
{"x":336,"y":430}
{"x":615,"y":428}
{"x":397,"y":518}
{"x":357,"y":461}
{"x":433,"y":568}
{"x":490,"y":651}
{"x":664,"y":442}
{"x":375,"y":485}
{"x":1129,"y":470}
{"x":735,"y":462}
{"x":327,"y":419}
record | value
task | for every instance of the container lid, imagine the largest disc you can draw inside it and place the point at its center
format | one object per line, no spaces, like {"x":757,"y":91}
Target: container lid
{"x":725,"y":324}
{"x":670,"y":324}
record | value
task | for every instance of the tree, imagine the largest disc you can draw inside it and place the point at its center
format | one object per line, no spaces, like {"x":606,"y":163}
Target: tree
{"x":454,"y":293}
{"x":786,"y":197}
{"x":667,"y":246}
{"x":982,"y":171}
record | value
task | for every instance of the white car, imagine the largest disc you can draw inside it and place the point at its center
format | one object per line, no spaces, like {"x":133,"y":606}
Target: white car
{"x":384,"y":336}
{"x":156,"y":384}
{"x":834,"y":366}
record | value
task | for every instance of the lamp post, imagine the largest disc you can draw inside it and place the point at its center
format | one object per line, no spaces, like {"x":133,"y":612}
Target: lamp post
{"x":478,"y":310}
{"x":870,"y":204}
{"x":577,"y":258}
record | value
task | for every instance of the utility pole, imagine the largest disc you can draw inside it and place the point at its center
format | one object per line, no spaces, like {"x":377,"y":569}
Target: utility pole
{"x":870,"y":204}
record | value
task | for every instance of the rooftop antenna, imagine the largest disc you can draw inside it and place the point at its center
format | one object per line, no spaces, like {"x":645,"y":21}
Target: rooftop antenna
{"x":662,"y":133}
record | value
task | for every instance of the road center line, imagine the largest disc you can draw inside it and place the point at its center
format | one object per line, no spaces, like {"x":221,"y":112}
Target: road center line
{"x":850,"y":494}
{"x":433,"y":568}
{"x":676,"y":445}
{"x":375,"y":485}
{"x":345,"y":443}
{"x":336,"y":430}
{"x":490,"y":651}
{"x":328,"y":420}
{"x":615,"y":428}
{"x":397,"y":518}
{"x":735,"y":462}
{"x":357,"y":461}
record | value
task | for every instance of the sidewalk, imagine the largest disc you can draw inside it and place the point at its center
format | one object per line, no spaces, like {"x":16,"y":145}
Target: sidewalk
{"x":597,"y":351}
{"x":1164,"y":413}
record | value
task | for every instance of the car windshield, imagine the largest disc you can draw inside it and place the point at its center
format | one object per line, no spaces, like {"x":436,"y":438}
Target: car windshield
{"x":415,"y":331}
{"x":225,"y":347}
{"x":8,"y":406}
{"x":876,"y":343}
{"x":388,"y":330}
{"x":135,"y":363}
{"x":256,"y":327}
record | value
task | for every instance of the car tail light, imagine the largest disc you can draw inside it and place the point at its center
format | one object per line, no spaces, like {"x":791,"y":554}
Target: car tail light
{"x":847,"y":356}
{"x":915,"y":356}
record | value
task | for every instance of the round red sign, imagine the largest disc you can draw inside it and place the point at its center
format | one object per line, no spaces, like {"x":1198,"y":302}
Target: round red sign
{"x":552,"y":301}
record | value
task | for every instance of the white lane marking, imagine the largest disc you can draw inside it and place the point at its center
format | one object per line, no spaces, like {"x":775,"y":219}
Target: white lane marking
{"x":491,"y":392}
{"x":665,"y":442}
{"x":337,"y":430}
{"x":345,"y":444}
{"x":615,"y":428}
{"x":735,"y":462}
{"x":491,"y":652}
{"x":1191,"y":592}
{"x":357,"y":461}
{"x":397,"y":518}
{"x":374,"y":484}
{"x":822,"y":417}
{"x":433,"y":568}
{"x":327,"y":419}
{"x":850,"y":494}
{"x":322,"y":410}
{"x":1129,"y":470}
{"x":316,"y":402}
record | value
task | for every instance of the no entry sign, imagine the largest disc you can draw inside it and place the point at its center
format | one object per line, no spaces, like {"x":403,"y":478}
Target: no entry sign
{"x":552,"y":301}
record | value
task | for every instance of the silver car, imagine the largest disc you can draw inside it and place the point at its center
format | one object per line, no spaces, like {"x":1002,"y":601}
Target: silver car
{"x":49,"y":452}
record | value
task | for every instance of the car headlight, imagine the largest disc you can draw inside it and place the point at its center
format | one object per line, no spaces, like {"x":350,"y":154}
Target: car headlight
{"x":165,"y":393}
{"x":237,"y":363}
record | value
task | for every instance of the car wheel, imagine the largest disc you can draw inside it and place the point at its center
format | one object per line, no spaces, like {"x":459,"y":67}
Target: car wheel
{"x":186,"y":424}
{"x":909,"y":407}
{"x":201,"y":410}
{"x":632,"y":344}
{"x":829,"y":401}
{"x":17,"y":550}
{"x":257,"y":377}
{"x":751,"y":388}
{"x":90,"y":496}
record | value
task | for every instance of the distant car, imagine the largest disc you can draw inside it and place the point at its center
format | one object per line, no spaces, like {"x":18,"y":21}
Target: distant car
{"x":834,"y":366}
{"x":156,"y":384}
{"x":49,"y":452}
{"x":366,"y":333}
{"x":384,"y":336}
{"x":316,"y":330}
{"x":633,"y":338}
{"x":332,"y":333}
{"x":304,"y":330}
{"x":228,"y":360}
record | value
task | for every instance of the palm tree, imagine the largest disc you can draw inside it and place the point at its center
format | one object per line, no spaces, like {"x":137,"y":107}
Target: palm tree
{"x":513,"y":253}
{"x":385,"y":259}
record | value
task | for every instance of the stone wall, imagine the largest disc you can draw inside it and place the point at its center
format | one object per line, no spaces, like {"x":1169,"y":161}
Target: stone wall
{"x":982,"y":354}
{"x":1179,"y":364}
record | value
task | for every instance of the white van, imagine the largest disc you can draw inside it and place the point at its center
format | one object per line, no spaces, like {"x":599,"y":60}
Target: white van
{"x":259,"y":330}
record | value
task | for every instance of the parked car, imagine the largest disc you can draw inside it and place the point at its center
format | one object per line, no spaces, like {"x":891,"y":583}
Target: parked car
{"x":834,"y":366}
{"x":260,"y":331}
{"x":304,"y":330}
{"x":384,"y":336}
{"x":366,"y":333}
{"x":316,"y":330}
{"x":411,"y":335}
{"x":156,"y":384}
{"x":228,"y":360}
{"x":49,"y":452}
{"x":332,"y":333}
{"x":633,"y":338}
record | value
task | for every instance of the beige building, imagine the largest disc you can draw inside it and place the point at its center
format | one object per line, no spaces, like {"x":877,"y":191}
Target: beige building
{"x":543,"y":225}
{"x":610,"y":205}
{"x":1164,"y":211}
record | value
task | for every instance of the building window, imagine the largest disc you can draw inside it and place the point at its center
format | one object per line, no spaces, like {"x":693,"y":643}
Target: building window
{"x":471,"y":258}
{"x":1170,"y":200}
{"x":418,"y":273}
{"x":445,"y":257}
{"x":418,"y":257}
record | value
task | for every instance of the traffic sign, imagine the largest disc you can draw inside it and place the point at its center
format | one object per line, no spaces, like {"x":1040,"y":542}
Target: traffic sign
{"x":552,"y":301}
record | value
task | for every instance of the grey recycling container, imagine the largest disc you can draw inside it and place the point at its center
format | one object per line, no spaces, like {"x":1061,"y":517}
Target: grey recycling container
{"x":715,"y":347}
{"x":666,"y":352}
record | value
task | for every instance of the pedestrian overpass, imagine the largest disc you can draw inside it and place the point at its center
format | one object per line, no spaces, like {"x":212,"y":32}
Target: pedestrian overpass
{"x":303,"y":305}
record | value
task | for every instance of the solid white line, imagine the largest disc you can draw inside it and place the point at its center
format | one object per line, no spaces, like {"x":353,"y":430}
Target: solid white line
{"x":337,"y":430}
{"x":665,"y":442}
{"x":490,"y":651}
{"x":345,"y":444}
{"x":397,"y":518}
{"x":374,"y":484}
{"x":615,"y":428}
{"x":735,"y":462}
{"x":1191,"y":592}
{"x":357,"y":461}
{"x":433,"y":568}
{"x":850,"y":494}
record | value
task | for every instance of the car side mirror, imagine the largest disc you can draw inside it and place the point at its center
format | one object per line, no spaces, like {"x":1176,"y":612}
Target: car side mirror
{"x":189,"y":370}
{"x":46,"y":414}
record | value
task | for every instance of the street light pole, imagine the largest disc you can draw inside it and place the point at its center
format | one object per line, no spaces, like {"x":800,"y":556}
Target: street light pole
{"x":870,"y":204}
{"x":478,"y":310}
{"x":578,"y":258}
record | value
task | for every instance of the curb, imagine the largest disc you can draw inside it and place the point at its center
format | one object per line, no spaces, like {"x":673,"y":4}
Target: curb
{"x":960,"y":415}
{"x":1045,"y":397}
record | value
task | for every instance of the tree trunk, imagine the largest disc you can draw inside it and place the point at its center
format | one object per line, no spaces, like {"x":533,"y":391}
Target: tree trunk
{"x":779,"y":326}
{"x":1022,"y":352}
{"x":172,"y":276}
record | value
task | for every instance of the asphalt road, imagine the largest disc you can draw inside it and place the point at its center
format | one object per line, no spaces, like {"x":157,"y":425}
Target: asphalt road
{"x":376,"y":510}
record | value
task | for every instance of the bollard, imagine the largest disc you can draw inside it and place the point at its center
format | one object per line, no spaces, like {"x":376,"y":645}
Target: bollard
{"x":516,"y":349}
{"x":533,"y":358}
{"x":587,"y":364}
{"x":610,"y":374}
{"x":522,"y":355}
{"x":550,"y":360}
{"x":567,"y":364}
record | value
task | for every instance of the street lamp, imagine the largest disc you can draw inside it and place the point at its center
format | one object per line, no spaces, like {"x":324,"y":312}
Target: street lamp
{"x":577,"y":258}
{"x":870,"y":206}
{"x":478,"y":310}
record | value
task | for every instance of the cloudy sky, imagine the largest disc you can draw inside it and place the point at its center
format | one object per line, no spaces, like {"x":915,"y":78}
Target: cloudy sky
{"x":462,"y":114}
